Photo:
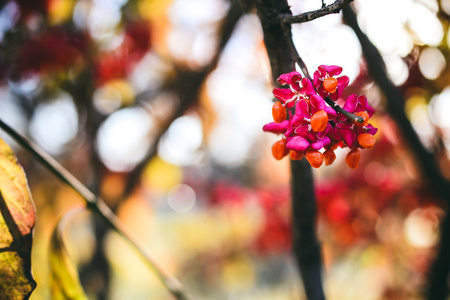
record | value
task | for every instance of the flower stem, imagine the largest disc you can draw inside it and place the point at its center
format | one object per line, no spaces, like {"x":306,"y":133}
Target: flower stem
{"x":98,"y":206}
{"x":339,"y":109}
{"x":302,"y":65}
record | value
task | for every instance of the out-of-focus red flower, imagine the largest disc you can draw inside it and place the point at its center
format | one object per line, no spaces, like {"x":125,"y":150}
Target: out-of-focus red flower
{"x":119,"y":62}
{"x":54,"y":50}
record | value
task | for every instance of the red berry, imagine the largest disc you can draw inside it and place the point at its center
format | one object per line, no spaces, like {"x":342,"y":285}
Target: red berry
{"x":296,"y":155}
{"x":279,"y":149}
{"x":314,"y":157}
{"x":352,"y":159}
{"x":319,"y":121}
{"x":279,"y":112}
{"x":366,"y":140}
{"x":330,"y":84}
{"x":329,"y":157}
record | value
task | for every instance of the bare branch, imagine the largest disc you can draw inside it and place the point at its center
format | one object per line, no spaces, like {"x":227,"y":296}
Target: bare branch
{"x":311,"y":15}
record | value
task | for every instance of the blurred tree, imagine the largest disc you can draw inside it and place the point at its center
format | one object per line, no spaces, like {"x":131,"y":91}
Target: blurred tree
{"x":139,"y":100}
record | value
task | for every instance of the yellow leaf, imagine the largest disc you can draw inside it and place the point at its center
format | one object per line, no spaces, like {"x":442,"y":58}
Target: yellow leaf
{"x":65,"y":283}
{"x":17,"y":219}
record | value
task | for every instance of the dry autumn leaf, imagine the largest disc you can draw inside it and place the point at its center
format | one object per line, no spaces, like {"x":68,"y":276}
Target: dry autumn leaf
{"x":65,"y":283}
{"x":17,"y":220}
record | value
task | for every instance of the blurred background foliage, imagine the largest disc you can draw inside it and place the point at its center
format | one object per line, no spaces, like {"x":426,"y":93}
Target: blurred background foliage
{"x":133,"y":98}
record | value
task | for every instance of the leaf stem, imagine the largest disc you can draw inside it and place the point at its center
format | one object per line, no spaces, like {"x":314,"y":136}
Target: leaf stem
{"x":98,"y":206}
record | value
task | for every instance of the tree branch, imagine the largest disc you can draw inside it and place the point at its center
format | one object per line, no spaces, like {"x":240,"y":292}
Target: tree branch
{"x":98,"y":206}
{"x":438,"y":280}
{"x":186,"y":86}
{"x":306,"y":248}
{"x":311,"y":15}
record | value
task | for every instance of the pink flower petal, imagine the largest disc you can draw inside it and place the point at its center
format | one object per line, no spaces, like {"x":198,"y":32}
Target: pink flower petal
{"x":317,"y":103}
{"x":289,"y":78}
{"x":370,"y":129}
{"x":332,"y":70}
{"x":321,"y":143}
{"x":350,"y":103}
{"x":349,"y":137}
{"x":307,"y":87}
{"x":316,"y":80}
{"x":298,"y":143}
{"x":284,"y":95}
{"x":277,"y":127}
{"x":330,"y":112}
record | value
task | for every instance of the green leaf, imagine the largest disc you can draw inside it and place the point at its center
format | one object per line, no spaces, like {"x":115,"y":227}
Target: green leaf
{"x":17,"y":219}
{"x":65,"y":283}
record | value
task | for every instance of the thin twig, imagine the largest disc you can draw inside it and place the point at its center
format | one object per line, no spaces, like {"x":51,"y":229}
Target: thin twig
{"x":98,"y":206}
{"x":311,"y":15}
{"x":302,"y":65}
{"x":346,"y":113}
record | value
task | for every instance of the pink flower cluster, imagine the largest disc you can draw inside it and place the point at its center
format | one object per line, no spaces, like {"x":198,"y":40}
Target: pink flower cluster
{"x":309,"y":124}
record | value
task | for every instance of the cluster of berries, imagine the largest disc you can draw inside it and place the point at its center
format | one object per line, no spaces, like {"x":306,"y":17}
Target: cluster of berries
{"x":309,"y":124}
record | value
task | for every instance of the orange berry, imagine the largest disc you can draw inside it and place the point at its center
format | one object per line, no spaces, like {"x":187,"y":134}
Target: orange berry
{"x":279,"y":149}
{"x":279,"y":112}
{"x":366,"y":140}
{"x":314,"y":157}
{"x":329,"y":157}
{"x":352,"y":159}
{"x":319,"y":121}
{"x":334,"y":146}
{"x":366,"y":117}
{"x":296,"y":155}
{"x":330,"y":84}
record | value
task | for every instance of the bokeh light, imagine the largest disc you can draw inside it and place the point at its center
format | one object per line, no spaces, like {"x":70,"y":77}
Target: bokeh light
{"x":124,"y":138}
{"x":431,"y":63}
{"x":55,"y":123}
{"x":421,"y":227}
{"x":182,"y":143}
{"x":208,"y":200}
{"x":181,"y":198}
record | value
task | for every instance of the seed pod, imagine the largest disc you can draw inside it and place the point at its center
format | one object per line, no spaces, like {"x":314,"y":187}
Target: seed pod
{"x":279,"y":149}
{"x":279,"y":112}
{"x":330,"y":84}
{"x":366,"y":140}
{"x":329,"y":157}
{"x":352,"y":159}
{"x":319,"y":121}
{"x":366,"y":117}
{"x":296,"y":155}
{"x":314,"y":157}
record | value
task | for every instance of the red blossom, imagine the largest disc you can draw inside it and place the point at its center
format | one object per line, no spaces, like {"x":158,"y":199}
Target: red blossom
{"x":309,"y":124}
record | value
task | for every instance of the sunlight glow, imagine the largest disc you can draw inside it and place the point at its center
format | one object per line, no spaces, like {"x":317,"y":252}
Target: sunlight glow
{"x":182,"y":142}
{"x":123,"y":138}
{"x":431,"y":63}
{"x":55,"y":123}
{"x":440,"y":107}
{"x":421,"y":227}
{"x":181,"y":198}
{"x":426,"y":26}
{"x":397,"y":69}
